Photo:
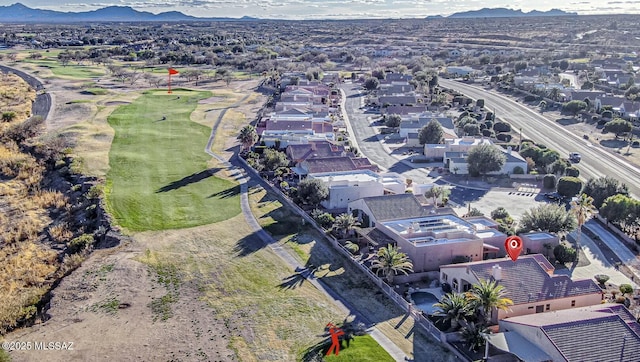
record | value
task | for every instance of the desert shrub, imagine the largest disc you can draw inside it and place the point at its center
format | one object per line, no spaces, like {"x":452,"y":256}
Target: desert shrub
{"x":80,"y":243}
{"x":601,"y":278}
{"x":60,"y":233}
{"x":323,"y":219}
{"x":27,"y":129}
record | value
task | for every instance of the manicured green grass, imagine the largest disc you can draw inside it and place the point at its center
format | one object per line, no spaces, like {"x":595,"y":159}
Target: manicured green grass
{"x":71,"y":70}
{"x":362,"y":348}
{"x":158,"y":177}
{"x":97,"y":91}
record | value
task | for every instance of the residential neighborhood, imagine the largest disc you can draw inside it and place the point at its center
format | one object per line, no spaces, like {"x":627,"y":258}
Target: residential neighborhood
{"x":455,"y":252}
{"x":439,"y":188}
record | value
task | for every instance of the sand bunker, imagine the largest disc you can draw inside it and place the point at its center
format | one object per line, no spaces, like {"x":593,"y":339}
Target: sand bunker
{"x":116,"y":103}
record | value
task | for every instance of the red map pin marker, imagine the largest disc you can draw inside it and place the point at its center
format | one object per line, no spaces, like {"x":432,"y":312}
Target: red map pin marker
{"x":513,"y":245}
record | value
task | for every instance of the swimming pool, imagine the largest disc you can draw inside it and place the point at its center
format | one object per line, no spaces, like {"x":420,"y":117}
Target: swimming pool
{"x":424,"y":301}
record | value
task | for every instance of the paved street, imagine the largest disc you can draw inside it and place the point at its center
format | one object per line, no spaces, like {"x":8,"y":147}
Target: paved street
{"x":462,"y":195}
{"x":367,"y":138}
{"x":596,"y":162}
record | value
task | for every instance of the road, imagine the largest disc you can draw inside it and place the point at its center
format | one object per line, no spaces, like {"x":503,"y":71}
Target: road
{"x":596,"y":162}
{"x":42,"y":104}
{"x":367,"y":138}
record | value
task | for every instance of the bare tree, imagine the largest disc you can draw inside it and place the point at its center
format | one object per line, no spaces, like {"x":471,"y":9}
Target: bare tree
{"x":134,"y":76}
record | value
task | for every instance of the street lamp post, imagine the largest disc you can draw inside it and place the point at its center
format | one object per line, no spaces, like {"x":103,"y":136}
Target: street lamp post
{"x":520,"y":141}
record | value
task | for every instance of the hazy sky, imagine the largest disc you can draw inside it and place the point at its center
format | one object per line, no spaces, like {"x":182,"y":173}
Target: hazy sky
{"x":323,"y":9}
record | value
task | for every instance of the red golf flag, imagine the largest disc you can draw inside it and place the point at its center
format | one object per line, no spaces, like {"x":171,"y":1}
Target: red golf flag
{"x":173,"y":71}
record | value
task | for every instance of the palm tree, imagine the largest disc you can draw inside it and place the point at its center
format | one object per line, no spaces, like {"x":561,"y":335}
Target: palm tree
{"x":454,"y":307}
{"x":345,"y":223}
{"x":389,"y":261}
{"x":475,"y":336}
{"x":351,"y":246}
{"x":248,"y":136}
{"x":487,"y":295}
{"x":582,"y":208}
{"x":554,"y":94}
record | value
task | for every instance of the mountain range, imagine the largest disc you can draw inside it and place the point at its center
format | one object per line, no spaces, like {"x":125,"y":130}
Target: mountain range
{"x":507,"y":13}
{"x":21,"y":13}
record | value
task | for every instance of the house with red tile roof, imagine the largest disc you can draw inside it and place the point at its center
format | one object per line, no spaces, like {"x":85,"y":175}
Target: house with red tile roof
{"x":530,"y":283}
{"x":315,"y":149}
{"x":606,"y":332}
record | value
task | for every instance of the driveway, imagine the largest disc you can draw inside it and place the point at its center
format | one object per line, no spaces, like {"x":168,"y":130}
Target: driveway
{"x":623,"y":253}
{"x":599,"y":263}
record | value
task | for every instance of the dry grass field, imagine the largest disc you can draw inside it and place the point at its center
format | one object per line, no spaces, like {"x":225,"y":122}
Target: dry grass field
{"x":27,"y":266}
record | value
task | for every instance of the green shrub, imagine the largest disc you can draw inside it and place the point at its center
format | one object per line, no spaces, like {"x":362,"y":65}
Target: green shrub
{"x":601,"y":278}
{"x":518,"y":170}
{"x":572,"y":171}
{"x":324,"y":219}
{"x":80,"y":243}
{"x":564,"y":254}
{"x":549,"y":181}
{"x":95,"y":192}
{"x":569,"y":186}
{"x":625,"y":288}
{"x":458,"y":259}
{"x":8,"y":116}
{"x":76,"y":166}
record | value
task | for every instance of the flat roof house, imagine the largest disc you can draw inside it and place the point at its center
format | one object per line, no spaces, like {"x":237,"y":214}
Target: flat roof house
{"x":347,"y":186}
{"x":434,"y":240}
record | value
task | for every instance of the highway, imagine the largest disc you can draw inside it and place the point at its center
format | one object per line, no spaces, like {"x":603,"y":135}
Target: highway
{"x":596,"y":162}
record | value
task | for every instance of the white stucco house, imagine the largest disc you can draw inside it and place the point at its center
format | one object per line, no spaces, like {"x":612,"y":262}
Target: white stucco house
{"x":347,"y":186}
{"x":456,"y":162}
